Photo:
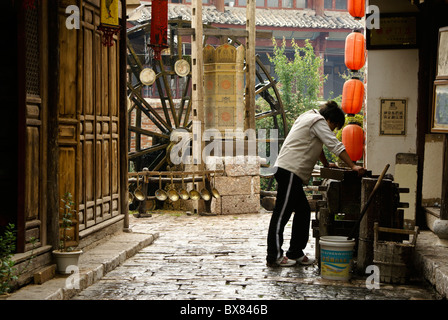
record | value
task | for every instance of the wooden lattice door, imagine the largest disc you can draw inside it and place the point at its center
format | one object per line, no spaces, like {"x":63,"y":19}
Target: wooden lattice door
{"x":88,"y":119}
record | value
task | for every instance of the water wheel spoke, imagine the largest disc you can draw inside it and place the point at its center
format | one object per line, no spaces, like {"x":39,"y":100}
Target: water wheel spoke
{"x":161,"y":162}
{"x":187,"y":114}
{"x":147,"y":112}
{"x":139,"y":98}
{"x":168,"y":93}
{"x":133,"y":61}
{"x":266,"y":114}
{"x":266,"y":86}
{"x":185,"y":97}
{"x":162,"y":93}
{"x":157,"y":147}
{"x":148,"y":133}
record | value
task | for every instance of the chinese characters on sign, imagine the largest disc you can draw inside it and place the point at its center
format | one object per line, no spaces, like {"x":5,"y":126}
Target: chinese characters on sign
{"x":393,"y":117}
{"x":395,"y":31}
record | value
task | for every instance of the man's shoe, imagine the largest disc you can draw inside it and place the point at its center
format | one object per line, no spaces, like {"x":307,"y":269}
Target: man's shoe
{"x":282,"y":262}
{"x":304,"y":260}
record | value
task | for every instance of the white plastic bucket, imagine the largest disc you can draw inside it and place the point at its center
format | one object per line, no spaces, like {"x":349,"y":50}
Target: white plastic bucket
{"x":336,"y":253}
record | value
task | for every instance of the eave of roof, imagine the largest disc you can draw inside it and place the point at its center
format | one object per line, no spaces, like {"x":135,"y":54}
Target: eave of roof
{"x":302,"y":18}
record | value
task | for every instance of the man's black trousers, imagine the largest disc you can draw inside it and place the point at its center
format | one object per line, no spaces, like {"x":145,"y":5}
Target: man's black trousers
{"x":290,"y":198}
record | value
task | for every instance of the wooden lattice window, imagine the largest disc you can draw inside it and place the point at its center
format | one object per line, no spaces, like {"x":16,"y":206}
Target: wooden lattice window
{"x":32,"y":56}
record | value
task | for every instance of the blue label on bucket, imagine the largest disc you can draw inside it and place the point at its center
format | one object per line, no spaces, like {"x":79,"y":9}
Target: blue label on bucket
{"x":336,"y":256}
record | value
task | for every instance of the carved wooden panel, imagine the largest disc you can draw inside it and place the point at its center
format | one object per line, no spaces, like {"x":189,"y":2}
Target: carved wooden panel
{"x":35,"y":170}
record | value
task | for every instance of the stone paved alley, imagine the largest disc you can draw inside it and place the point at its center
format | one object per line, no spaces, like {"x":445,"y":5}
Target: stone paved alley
{"x":223,"y":257}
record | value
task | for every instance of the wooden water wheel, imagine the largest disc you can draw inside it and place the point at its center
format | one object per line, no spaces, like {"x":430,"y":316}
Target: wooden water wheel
{"x":152,"y":124}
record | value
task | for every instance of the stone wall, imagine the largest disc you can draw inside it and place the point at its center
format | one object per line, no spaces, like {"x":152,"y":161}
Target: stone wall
{"x":239,"y":185}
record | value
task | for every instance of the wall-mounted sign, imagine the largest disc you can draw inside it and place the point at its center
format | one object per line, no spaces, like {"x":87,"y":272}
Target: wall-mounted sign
{"x":442,"y":54}
{"x":440,"y":107}
{"x":393,"y":117}
{"x":397,"y":31}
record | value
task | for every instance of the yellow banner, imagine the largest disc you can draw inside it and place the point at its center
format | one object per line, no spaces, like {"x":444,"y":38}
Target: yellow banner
{"x":109,"y":12}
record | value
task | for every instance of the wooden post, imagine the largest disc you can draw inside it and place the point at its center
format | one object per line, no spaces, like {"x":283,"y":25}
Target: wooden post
{"x":123,"y":114}
{"x":380,"y":210}
{"x":319,"y":7}
{"x":250,"y":65}
{"x":444,"y":195}
{"x":197,"y":77}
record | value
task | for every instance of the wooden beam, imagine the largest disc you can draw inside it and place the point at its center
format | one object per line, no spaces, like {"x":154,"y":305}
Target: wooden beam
{"x":250,"y":65}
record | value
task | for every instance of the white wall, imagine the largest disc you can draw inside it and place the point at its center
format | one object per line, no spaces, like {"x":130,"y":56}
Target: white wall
{"x":390,"y":74}
{"x":432,"y":170}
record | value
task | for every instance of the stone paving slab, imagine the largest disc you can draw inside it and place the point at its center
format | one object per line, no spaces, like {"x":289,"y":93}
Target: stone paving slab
{"x":432,"y":261}
{"x":223,"y":258}
{"x":93,"y":265}
{"x":190,"y":257}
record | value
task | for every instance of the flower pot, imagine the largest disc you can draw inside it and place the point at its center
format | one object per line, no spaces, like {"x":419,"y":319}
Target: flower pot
{"x":67,"y":261}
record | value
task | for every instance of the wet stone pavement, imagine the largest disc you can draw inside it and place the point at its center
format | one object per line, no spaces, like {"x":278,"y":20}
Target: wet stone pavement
{"x":223,"y":258}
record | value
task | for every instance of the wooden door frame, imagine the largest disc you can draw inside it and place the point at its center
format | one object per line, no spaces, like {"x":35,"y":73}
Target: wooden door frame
{"x":52,"y":221}
{"x":21,"y":99}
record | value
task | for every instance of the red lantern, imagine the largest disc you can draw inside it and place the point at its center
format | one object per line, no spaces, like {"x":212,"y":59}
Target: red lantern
{"x":355,"y":51}
{"x":352,"y":96}
{"x":353,"y":140}
{"x":159,"y":27}
{"x":356,"y":8}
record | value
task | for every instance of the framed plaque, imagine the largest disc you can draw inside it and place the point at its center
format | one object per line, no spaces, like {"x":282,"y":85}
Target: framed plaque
{"x":442,"y":54}
{"x":440,"y":107}
{"x":393,"y":117}
{"x":397,"y":31}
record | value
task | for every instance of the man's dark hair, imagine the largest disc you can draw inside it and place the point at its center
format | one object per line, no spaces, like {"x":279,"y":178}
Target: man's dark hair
{"x":331,"y":111}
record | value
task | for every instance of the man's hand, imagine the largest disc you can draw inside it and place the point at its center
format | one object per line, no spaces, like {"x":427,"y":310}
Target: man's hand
{"x":361,"y":171}
{"x":346,"y":158}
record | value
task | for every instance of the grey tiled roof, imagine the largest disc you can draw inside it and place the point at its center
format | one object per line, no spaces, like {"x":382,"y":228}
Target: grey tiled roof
{"x":304,"y":18}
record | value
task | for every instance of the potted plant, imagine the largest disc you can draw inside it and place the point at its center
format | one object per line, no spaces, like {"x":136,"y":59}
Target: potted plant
{"x":9,"y":274}
{"x":66,"y":256}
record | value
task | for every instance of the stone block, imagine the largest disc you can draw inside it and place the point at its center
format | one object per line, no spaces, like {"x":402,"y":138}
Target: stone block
{"x":233,"y":185}
{"x":242,"y":166}
{"x":234,"y":166}
{"x":215,"y":206}
{"x":44,"y":274}
{"x":255,"y":184}
{"x":214,"y":163}
{"x":240,"y":204}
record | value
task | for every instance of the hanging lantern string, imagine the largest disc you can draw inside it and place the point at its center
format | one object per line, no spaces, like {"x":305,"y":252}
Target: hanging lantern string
{"x":353,"y":90}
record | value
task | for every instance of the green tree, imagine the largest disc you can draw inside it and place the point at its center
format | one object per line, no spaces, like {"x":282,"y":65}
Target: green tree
{"x":300,"y":79}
